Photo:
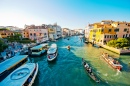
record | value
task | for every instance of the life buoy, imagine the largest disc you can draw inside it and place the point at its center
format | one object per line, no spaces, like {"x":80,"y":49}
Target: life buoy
{"x":119,"y":68}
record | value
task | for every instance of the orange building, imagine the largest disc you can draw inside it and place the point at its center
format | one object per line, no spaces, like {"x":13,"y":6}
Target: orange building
{"x":6,"y":33}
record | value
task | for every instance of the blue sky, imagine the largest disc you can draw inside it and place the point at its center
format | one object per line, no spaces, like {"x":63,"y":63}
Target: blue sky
{"x":72,"y":14}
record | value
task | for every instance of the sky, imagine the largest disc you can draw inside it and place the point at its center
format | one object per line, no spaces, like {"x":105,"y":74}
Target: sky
{"x":73,"y":14}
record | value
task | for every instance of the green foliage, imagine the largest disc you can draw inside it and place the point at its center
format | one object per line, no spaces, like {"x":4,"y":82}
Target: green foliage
{"x":119,"y":43}
{"x":2,"y":46}
{"x":18,"y":38}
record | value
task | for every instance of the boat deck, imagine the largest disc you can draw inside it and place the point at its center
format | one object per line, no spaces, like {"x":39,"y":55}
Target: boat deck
{"x":19,"y":76}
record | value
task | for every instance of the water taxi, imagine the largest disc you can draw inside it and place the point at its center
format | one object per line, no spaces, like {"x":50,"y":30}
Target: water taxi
{"x":22,"y":76}
{"x":112,"y":62}
{"x":52,"y":52}
{"x":39,"y":49}
{"x":9,"y":65}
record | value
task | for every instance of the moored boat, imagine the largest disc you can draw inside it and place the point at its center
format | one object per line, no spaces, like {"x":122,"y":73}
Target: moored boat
{"x":112,"y":62}
{"x":39,"y":49}
{"x":52,"y":52}
{"x":22,"y":76}
{"x":89,"y":71}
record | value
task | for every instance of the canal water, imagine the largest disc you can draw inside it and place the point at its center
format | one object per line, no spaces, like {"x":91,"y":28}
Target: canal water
{"x":67,"y":69}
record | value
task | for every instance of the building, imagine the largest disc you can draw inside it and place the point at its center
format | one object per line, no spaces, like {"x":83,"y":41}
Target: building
{"x":122,"y":29}
{"x":38,"y":33}
{"x":87,"y":30}
{"x":107,"y":30}
{"x":55,"y":31}
{"x":6,"y":33}
{"x":79,"y":31}
{"x":65,"y":32}
{"x":72,"y":32}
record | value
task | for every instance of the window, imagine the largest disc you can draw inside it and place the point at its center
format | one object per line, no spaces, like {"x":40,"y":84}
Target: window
{"x":34,"y":34}
{"x":40,"y":34}
{"x":115,"y":36}
{"x":109,"y":30}
{"x":44,"y":33}
{"x":107,"y":36}
{"x":110,"y":36}
{"x":125,"y":29}
{"x":126,"y":35}
{"x":102,"y":30}
{"x":123,"y":36}
{"x":116,"y":30}
{"x":30,"y":34}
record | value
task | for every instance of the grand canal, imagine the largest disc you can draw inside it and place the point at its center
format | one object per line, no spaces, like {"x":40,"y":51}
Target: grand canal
{"x":67,"y":69}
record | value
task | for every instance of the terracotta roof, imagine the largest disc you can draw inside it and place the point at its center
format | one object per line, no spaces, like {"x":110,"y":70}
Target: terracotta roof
{"x":36,"y":27}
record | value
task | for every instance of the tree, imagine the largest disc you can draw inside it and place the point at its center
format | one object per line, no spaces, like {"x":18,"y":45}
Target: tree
{"x":2,"y":46}
{"x":119,"y":43}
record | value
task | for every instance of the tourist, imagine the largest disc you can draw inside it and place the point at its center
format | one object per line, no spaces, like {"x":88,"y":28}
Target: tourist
{"x":90,"y":70}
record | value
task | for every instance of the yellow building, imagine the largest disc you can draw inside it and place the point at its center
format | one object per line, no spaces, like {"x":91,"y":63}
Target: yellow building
{"x":102,"y":33}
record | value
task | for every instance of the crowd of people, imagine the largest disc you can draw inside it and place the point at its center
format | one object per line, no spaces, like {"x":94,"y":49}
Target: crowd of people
{"x":13,"y":49}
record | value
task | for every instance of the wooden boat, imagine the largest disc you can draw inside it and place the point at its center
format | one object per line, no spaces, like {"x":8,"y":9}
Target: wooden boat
{"x":52,"y":52}
{"x":112,"y":62}
{"x":91,"y":74}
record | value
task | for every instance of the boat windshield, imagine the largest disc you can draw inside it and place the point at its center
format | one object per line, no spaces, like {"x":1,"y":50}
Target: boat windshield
{"x":35,"y":50}
{"x":51,"y":49}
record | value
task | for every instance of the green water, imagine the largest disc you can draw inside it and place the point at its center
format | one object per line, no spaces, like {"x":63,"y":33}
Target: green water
{"x":67,"y":69}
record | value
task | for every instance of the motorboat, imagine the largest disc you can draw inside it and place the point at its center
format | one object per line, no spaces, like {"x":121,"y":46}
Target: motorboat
{"x":52,"y":52}
{"x":112,"y":62}
{"x":39,"y":49}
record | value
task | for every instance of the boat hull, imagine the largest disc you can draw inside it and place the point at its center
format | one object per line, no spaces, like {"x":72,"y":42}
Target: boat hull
{"x":53,"y":57}
{"x":34,"y":76}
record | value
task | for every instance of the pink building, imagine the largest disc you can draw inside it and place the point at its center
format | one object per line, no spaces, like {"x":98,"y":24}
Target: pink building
{"x":38,"y":33}
{"x":122,"y":29}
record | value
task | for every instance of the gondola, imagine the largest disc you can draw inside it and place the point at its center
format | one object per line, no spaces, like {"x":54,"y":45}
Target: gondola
{"x":91,"y":74}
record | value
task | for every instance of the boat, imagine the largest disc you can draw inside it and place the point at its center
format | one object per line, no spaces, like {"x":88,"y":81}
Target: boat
{"x":87,"y":69}
{"x":68,"y":47}
{"x":86,"y":41}
{"x":112,"y":62}
{"x":22,"y":76}
{"x":52,"y":52}
{"x":39,"y":49}
{"x":9,"y":65}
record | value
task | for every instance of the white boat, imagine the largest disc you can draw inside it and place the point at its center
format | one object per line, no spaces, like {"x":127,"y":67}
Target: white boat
{"x":112,"y":62}
{"x":39,"y":49}
{"x":22,"y":76}
{"x":52,"y":52}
